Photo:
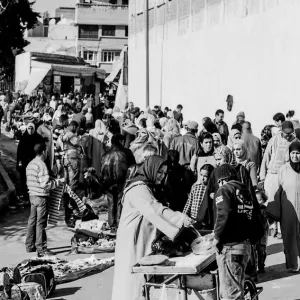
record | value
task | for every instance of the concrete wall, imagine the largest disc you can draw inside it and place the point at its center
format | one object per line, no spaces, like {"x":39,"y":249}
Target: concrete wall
{"x":201,"y":51}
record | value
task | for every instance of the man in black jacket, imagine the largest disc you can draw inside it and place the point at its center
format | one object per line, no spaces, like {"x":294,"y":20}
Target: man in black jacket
{"x":234,"y":228}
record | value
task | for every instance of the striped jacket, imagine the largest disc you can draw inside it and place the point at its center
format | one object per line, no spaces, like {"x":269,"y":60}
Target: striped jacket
{"x":38,"y":180}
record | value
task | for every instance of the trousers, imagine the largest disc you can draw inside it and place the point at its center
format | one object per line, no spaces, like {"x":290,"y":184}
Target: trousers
{"x":37,"y":223}
{"x":232,"y":262}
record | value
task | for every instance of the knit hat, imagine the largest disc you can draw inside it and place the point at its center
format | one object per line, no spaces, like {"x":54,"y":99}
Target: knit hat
{"x":226,"y":171}
{"x":192,"y":125}
{"x":241,"y":114}
{"x":287,"y":127}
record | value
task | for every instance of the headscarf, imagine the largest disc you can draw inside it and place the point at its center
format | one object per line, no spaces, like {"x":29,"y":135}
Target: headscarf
{"x":58,"y":112}
{"x":295,"y":146}
{"x":148,"y":171}
{"x":163,"y":122}
{"x":231,"y":138}
{"x":218,"y":136}
{"x":172,"y":126}
{"x":99,"y":131}
{"x":245,"y":152}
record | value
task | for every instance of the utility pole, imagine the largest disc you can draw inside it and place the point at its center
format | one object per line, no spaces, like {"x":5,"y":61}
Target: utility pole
{"x":147,"y":49}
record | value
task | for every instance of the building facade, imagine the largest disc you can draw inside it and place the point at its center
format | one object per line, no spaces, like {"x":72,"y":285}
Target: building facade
{"x":201,"y":51}
{"x":102,"y":31}
{"x":53,"y":35}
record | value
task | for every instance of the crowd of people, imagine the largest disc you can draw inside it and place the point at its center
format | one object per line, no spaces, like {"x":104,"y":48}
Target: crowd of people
{"x":161,"y":172}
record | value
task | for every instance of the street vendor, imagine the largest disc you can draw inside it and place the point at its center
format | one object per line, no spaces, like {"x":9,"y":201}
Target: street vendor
{"x":142,"y":216}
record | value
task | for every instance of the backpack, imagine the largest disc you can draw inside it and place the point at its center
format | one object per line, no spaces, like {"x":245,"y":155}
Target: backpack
{"x":42,"y":275}
{"x":257,"y":222}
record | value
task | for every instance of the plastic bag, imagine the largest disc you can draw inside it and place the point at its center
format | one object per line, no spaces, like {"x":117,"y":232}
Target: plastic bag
{"x":163,"y":295}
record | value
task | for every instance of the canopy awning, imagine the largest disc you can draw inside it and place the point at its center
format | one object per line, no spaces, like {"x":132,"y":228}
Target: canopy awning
{"x":37,"y":74}
{"x":77,"y":71}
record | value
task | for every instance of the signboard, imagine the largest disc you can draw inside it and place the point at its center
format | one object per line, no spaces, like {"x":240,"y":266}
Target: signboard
{"x":57,"y":79}
{"x":77,"y":81}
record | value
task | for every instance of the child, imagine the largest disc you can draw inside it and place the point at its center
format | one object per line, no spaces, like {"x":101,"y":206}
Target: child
{"x":262,"y":244}
{"x":197,"y":192}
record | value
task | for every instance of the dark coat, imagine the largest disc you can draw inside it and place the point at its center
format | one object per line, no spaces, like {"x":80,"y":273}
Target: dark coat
{"x":114,"y":166}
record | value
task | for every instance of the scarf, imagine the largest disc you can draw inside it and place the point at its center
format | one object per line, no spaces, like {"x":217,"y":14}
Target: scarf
{"x":147,"y":172}
{"x":295,"y":146}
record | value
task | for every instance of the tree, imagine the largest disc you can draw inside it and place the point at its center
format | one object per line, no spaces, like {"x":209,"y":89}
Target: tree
{"x":16,"y":16}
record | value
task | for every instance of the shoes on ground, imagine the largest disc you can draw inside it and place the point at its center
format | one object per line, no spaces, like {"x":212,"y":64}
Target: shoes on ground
{"x":28,"y":250}
{"x":295,"y":270}
{"x":44,"y":253}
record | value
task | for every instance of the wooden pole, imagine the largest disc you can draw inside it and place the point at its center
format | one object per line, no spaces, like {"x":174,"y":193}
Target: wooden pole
{"x":147,"y":50}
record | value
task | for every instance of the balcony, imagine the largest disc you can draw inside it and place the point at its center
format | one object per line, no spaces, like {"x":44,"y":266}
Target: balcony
{"x":97,"y":14}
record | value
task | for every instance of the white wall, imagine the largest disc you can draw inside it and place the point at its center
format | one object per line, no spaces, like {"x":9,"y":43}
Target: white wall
{"x":255,"y":58}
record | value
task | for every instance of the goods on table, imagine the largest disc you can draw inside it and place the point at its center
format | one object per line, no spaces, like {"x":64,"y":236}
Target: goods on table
{"x":153,"y":260}
{"x":66,"y":271}
{"x":203,"y":245}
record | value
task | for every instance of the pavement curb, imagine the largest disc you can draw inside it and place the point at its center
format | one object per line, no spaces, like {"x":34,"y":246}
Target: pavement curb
{"x":9,"y":195}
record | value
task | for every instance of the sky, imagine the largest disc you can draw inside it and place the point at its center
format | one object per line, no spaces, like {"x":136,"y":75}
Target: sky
{"x":50,"y":5}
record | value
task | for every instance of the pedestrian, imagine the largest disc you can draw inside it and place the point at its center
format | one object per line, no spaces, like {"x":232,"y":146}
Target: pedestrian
{"x":208,"y":126}
{"x":205,"y":153}
{"x":89,"y":117}
{"x":178,"y":116}
{"x":242,"y":157}
{"x":100,"y":139}
{"x":278,"y":119}
{"x":237,"y":226}
{"x":221,"y":125}
{"x":114,"y":166}
{"x":261,"y":246}
{"x":25,"y":154}
{"x":39,"y":185}
{"x":46,"y":131}
{"x":171,"y":130}
{"x":240,"y":119}
{"x":1,"y":116}
{"x":276,"y":155}
{"x":80,"y":119}
{"x":129,"y":131}
{"x":288,"y":198}
{"x":142,"y":216}
{"x":178,"y":183}
{"x":234,"y":135}
{"x":253,"y":144}
{"x":53,"y":103}
{"x":197,"y":192}
{"x":72,"y":156}
{"x":187,"y":145}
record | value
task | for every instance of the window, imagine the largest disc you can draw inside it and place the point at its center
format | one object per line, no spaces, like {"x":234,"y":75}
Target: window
{"x":108,"y":30}
{"x":126,"y":30}
{"x":124,"y":2}
{"x":88,"y":31}
{"x":89,"y":55}
{"x":109,"y":56}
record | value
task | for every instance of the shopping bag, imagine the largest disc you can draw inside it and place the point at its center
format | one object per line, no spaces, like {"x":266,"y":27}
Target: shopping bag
{"x":164,"y":295}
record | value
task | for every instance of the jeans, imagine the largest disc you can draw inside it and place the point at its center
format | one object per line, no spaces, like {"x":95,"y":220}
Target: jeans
{"x":72,"y":172}
{"x":37,"y":223}
{"x":232,"y":262}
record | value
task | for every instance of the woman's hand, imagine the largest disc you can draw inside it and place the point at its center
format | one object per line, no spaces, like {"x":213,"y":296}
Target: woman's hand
{"x":188,"y":222}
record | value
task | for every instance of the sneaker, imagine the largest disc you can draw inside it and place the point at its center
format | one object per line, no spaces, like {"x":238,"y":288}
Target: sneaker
{"x":45,"y":253}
